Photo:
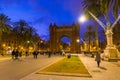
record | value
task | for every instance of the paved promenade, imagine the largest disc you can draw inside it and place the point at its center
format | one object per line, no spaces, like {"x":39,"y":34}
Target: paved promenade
{"x":107,"y":71}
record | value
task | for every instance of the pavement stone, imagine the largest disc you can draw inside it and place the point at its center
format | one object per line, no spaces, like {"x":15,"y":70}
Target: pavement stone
{"x":106,"y":71}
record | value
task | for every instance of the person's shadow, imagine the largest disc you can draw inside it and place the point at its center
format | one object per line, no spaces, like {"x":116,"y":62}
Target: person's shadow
{"x":103,"y":68}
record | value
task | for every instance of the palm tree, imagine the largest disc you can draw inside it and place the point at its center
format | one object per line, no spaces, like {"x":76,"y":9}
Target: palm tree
{"x":89,"y":5}
{"x":20,"y":28}
{"x":35,"y":40}
{"x":101,"y":7}
{"x":29,"y":34}
{"x":21,"y":25}
{"x":15,"y":34}
{"x":4,"y":26}
{"x":116,"y":36}
{"x":89,"y":35}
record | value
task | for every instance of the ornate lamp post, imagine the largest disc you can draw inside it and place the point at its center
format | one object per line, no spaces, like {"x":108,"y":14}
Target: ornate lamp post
{"x":110,"y":53}
{"x":78,"y":41}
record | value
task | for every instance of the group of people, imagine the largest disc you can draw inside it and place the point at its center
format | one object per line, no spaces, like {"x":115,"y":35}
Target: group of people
{"x":16,"y":54}
{"x":35,"y":54}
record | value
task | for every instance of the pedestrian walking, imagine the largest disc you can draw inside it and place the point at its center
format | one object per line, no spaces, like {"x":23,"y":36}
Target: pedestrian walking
{"x":13,"y":54}
{"x":36,"y":54}
{"x":20,"y":55}
{"x":98,"y":58}
{"x":16,"y":54}
{"x":49,"y":54}
{"x":63,"y":53}
{"x":26,"y":53}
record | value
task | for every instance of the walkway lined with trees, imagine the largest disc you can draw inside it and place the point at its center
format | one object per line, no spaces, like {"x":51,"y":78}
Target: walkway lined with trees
{"x":18,"y":35}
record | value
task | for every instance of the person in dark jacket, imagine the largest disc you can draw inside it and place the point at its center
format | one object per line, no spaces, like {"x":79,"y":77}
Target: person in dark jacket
{"x":26,"y":53}
{"x":35,"y":54}
{"x":98,"y":59}
{"x":13,"y":54}
{"x":49,"y":54}
{"x":16,"y":54}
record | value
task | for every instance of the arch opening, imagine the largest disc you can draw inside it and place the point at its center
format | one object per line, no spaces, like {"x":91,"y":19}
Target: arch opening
{"x":65,"y":43}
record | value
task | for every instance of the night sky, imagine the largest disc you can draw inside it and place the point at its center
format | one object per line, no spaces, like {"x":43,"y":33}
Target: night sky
{"x":40,"y":13}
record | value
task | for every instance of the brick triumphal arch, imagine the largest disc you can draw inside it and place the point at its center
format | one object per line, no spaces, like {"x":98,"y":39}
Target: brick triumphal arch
{"x":57,"y":32}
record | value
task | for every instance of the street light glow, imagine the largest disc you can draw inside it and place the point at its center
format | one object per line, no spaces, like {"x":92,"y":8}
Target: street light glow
{"x":28,"y":41}
{"x":78,"y":40}
{"x":82,"y":19}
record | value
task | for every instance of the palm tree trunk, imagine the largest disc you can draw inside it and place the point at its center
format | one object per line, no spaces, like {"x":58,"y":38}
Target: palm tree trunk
{"x":0,"y":35}
{"x":89,"y":45}
{"x":96,"y":36}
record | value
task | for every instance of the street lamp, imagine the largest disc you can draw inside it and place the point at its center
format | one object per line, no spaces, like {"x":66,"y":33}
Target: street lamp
{"x":28,"y":44}
{"x":84,"y":45}
{"x":28,"y":41}
{"x":78,"y":41}
{"x":3,"y":45}
{"x":3,"y":49}
{"x":82,"y":19}
{"x":110,"y":52}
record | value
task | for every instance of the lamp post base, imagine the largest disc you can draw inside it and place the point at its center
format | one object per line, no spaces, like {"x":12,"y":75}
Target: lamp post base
{"x":111,"y":54}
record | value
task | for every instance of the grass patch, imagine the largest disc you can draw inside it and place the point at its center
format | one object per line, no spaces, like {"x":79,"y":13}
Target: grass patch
{"x":72,"y":65}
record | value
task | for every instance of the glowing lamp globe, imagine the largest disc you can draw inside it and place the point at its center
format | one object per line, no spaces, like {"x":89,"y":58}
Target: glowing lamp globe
{"x":82,"y":19}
